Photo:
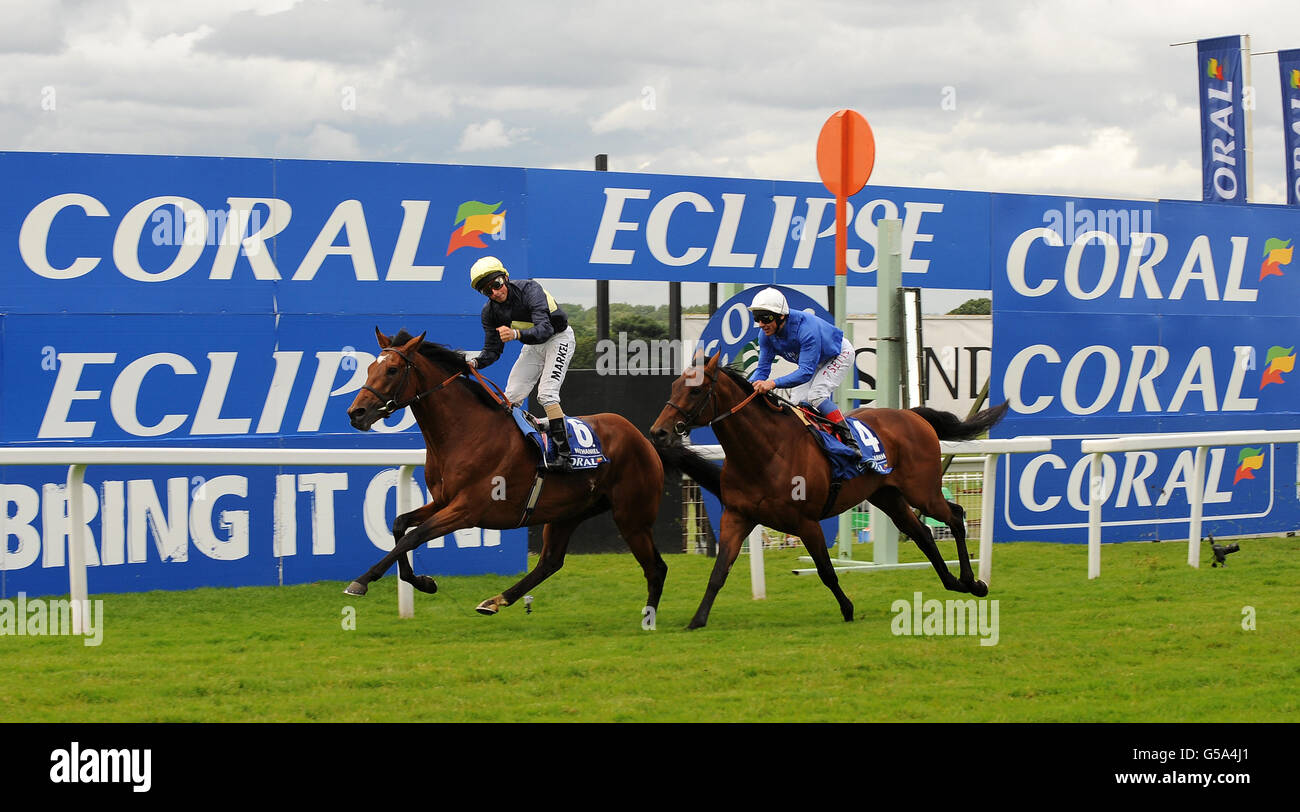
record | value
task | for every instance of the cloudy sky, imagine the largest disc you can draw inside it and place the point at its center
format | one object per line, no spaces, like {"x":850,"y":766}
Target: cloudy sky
{"x":1085,"y":97}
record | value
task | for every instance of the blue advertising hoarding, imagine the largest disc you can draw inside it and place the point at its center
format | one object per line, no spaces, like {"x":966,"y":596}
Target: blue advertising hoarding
{"x":221,"y":301}
{"x":1221,"y":83}
{"x":1137,"y":319}
{"x":228,"y":302}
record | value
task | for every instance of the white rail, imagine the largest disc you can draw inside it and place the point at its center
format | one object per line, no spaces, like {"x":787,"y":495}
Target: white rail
{"x":77,"y":458}
{"x":990,"y":450}
{"x":1196,"y":488}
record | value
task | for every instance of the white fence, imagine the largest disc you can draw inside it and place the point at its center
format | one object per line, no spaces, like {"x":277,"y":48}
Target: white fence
{"x":1196,"y":488}
{"x":77,"y":458}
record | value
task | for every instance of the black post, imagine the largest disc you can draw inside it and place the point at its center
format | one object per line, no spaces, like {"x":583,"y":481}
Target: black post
{"x":713,"y":298}
{"x":830,"y":301}
{"x":602,"y":285}
{"x":675,"y":311}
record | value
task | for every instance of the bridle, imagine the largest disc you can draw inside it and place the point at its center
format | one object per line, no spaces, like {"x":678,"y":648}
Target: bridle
{"x":688,"y":421}
{"x":387,"y":404}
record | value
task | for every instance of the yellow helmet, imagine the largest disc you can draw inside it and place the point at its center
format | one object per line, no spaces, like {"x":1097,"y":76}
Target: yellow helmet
{"x":484,"y":268}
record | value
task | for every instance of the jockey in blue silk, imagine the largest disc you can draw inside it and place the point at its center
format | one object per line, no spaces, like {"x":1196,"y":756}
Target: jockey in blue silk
{"x":820,"y":349}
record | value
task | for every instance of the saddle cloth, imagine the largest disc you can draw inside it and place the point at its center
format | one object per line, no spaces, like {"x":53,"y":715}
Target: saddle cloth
{"x":845,"y":462}
{"x":584,"y":446}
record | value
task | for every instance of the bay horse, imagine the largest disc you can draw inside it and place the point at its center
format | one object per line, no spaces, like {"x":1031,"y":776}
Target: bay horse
{"x":481,"y":471}
{"x":771,"y":455}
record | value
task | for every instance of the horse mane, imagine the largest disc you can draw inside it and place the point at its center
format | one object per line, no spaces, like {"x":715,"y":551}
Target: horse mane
{"x":738,"y":376}
{"x":451,"y":359}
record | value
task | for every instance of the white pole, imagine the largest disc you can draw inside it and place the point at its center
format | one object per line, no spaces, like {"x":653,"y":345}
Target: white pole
{"x":405,"y":592}
{"x":77,"y":548}
{"x":1248,"y":110}
{"x":1094,"y":516}
{"x":988,"y":507}
{"x":1196,"y":495}
{"x":757,"y":580}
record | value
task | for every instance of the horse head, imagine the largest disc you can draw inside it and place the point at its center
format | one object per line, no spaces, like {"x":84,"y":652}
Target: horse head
{"x":392,"y":380}
{"x":691,"y":403}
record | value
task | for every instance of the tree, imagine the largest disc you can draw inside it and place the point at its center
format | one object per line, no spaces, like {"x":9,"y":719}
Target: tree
{"x":973,"y":307}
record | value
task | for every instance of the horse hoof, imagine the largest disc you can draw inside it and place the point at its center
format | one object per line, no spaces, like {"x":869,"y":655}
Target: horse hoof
{"x":490,"y":606}
{"x":425,"y":584}
{"x":979,"y":589}
{"x":355,"y":588}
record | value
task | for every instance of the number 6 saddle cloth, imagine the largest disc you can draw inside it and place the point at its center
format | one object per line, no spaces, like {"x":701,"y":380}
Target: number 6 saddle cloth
{"x":584,"y":446}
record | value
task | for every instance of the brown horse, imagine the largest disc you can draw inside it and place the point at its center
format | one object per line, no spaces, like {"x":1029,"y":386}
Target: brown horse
{"x":776,"y":474}
{"x":481,"y":471}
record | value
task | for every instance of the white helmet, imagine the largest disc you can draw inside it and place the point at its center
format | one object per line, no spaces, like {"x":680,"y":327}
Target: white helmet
{"x":771,"y":300}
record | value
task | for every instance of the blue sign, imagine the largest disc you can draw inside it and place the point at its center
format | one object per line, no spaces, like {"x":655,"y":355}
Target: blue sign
{"x":609,"y":225}
{"x":1115,"y":319}
{"x":1224,"y":170}
{"x":1288,"y":63}
{"x":228,"y":302}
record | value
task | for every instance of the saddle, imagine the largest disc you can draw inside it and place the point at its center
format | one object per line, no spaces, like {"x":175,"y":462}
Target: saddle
{"x":846,"y":463}
{"x":585,"y":452}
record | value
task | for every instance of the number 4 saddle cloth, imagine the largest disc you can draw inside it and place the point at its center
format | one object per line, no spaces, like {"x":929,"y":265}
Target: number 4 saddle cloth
{"x":584,"y":446}
{"x":845,"y":462}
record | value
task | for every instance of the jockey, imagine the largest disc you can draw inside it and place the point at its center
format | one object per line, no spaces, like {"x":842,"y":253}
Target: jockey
{"x":820,"y":349}
{"x":523,"y":311}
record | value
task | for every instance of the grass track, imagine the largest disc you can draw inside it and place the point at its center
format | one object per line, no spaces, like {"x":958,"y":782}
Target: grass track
{"x":1152,"y":640}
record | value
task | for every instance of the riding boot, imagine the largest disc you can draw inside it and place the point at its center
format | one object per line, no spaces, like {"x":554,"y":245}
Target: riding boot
{"x":559,"y":441}
{"x":849,"y":440}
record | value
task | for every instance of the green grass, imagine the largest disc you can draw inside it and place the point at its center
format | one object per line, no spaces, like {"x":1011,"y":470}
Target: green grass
{"x":1150,"y":640}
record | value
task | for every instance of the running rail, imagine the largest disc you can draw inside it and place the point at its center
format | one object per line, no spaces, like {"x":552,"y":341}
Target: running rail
{"x":1196,"y":488}
{"x":77,"y":458}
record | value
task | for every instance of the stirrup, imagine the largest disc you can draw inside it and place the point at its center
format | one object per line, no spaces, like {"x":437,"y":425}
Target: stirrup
{"x":560,"y":442}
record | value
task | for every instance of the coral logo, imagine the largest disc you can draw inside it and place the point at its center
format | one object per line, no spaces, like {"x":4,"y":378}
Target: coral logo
{"x":1214,"y":69}
{"x":473,"y":220}
{"x":1248,"y":461}
{"x":1280,"y":359}
{"x":1276,"y":254}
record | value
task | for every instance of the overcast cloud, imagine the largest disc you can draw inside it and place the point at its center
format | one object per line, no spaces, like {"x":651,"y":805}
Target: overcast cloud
{"x":1083,"y":98}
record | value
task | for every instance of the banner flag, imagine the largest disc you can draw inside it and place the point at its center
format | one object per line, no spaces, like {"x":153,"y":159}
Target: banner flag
{"x":1288,"y":63}
{"x":1223,"y":120}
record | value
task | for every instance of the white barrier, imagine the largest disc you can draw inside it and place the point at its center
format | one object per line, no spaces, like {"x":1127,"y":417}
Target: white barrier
{"x":1196,"y":488}
{"x":77,"y":458}
{"x":990,"y":450}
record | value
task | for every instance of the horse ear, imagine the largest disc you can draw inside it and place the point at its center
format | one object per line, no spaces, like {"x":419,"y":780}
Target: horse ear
{"x":384,"y":341}
{"x":713,"y":362}
{"x":415,"y":342}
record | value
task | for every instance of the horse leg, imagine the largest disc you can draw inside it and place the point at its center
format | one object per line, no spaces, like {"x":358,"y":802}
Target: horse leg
{"x":555,"y":543}
{"x":957,"y":525}
{"x":641,"y":540}
{"x":734,"y":528}
{"x":401,"y":524}
{"x":891,"y":501}
{"x":815,"y":541}
{"x":635,"y":521}
{"x":440,"y":523}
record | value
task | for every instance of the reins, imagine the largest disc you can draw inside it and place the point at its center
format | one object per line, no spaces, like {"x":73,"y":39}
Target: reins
{"x":389,"y":405}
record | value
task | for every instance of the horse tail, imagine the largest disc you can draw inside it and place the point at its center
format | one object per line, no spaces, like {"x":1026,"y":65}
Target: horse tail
{"x":951,"y":427}
{"x":688,"y":461}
